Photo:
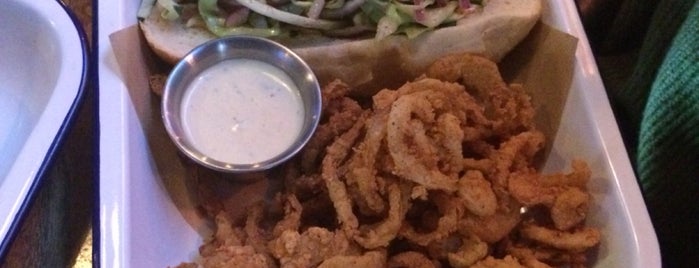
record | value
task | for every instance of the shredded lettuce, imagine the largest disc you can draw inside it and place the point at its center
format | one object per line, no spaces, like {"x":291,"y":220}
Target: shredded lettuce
{"x":393,"y":17}
{"x":289,"y":18}
{"x":430,"y":17}
{"x":387,"y":17}
{"x":209,"y":11}
{"x":171,"y":10}
{"x":389,"y":23}
{"x":334,"y":4}
{"x":145,"y":8}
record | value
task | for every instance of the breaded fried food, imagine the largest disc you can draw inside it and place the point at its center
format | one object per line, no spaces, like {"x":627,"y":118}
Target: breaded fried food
{"x":439,"y":172}
{"x":308,"y":249}
{"x":411,"y":259}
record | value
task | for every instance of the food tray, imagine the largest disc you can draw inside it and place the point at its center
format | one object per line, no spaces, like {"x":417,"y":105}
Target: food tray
{"x":143,"y":225}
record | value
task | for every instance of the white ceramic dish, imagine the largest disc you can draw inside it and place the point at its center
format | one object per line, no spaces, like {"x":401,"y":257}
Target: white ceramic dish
{"x":141,"y":227}
{"x":43,"y":51}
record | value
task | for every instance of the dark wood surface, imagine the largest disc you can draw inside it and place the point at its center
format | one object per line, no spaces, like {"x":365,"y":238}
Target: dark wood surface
{"x":59,"y":219}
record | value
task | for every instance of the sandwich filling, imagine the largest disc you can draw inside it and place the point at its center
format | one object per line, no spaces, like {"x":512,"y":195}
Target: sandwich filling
{"x":337,"y":18}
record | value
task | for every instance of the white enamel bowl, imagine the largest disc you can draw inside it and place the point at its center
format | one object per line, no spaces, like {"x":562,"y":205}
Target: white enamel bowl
{"x":43,"y":70}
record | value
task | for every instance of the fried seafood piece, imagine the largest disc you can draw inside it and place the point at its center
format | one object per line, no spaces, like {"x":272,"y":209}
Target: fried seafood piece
{"x":226,"y":234}
{"x":524,"y":185}
{"x":362,"y":175}
{"x":514,"y":111}
{"x":578,"y":177}
{"x":335,"y":156}
{"x":449,"y":137}
{"x":510,"y":106}
{"x":364,"y":165}
{"x":411,"y":259}
{"x":304,"y":186}
{"x":292,"y":216}
{"x":370,"y":259}
{"x":416,"y":153}
{"x":308,"y":249}
{"x":534,"y":263}
{"x":236,"y":256}
{"x":541,"y":257}
{"x":570,"y":208}
{"x":578,"y":240}
{"x":516,"y":153}
{"x":472,"y":250}
{"x":334,"y":90}
{"x":532,"y":188}
{"x":493,"y":228}
{"x":187,"y":265}
{"x":227,"y":248}
{"x":506,"y":262}
{"x":451,"y":211}
{"x":477,"y":194}
{"x":341,"y":114}
{"x":256,"y":236}
{"x":382,"y":233}
{"x":217,"y":192}
{"x":563,"y":194}
{"x":471,"y":70}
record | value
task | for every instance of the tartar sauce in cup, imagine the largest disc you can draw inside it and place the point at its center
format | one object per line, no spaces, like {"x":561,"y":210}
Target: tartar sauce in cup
{"x":242,"y":111}
{"x":241,"y":104}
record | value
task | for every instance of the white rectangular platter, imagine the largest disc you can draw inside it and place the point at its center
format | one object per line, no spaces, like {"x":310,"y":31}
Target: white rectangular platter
{"x":140,"y":226}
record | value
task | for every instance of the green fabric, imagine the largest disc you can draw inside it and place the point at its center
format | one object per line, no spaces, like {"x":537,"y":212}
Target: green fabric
{"x":657,"y":105}
{"x":668,"y":145}
{"x":628,"y":28}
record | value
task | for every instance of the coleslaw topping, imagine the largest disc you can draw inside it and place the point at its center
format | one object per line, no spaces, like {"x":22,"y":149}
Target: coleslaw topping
{"x":343,"y":18}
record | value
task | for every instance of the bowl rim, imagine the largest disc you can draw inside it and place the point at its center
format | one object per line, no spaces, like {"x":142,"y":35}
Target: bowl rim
{"x":32,"y":175}
{"x":179,"y":70}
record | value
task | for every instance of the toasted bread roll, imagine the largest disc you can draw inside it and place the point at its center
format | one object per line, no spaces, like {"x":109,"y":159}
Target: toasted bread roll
{"x":369,"y":64}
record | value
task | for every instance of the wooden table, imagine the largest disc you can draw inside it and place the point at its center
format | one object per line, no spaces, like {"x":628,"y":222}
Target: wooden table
{"x":60,"y":217}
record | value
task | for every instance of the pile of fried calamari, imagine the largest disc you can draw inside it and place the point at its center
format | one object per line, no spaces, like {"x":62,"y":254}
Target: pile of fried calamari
{"x":438,"y":173}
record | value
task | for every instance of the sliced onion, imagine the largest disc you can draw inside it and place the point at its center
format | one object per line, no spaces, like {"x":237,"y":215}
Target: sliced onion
{"x":315,"y":9}
{"x":237,"y":17}
{"x":347,"y":10}
{"x":352,"y":31}
{"x":419,"y":13}
{"x":464,"y":4}
{"x":271,"y":12}
{"x":386,"y":27}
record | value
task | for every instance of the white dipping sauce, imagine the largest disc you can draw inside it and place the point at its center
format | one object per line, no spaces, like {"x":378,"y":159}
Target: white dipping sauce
{"x":242,"y":111}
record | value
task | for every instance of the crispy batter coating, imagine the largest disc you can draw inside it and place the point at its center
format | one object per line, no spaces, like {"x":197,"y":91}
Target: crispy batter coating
{"x":493,"y":228}
{"x":471,"y":251}
{"x":450,"y":210}
{"x":477,"y":194}
{"x":336,"y":154}
{"x":411,"y":259}
{"x":574,"y":241}
{"x":309,"y":248}
{"x":437,"y":173}
{"x":382,"y":233}
{"x":490,"y":262}
{"x":227,"y":248}
{"x":370,"y":259}
{"x":570,"y":208}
